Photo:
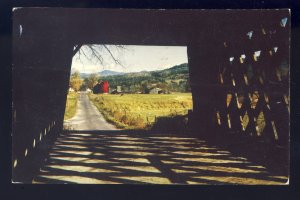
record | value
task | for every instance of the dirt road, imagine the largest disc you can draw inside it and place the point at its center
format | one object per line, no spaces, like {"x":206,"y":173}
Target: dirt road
{"x":87,"y":117}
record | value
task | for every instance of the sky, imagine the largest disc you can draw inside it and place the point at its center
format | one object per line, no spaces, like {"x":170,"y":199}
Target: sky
{"x":133,"y":58}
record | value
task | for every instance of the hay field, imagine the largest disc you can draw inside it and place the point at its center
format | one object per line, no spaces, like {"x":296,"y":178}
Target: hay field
{"x":139,"y":111}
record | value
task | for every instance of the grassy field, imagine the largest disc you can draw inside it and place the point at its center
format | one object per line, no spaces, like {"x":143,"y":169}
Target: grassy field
{"x":71,"y":105}
{"x":140,"y":111}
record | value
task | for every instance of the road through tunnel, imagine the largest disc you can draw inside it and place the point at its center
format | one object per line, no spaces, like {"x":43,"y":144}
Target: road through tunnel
{"x":230,"y":82}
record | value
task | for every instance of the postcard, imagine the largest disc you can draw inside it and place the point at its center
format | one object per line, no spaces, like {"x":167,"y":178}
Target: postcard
{"x":133,"y":96}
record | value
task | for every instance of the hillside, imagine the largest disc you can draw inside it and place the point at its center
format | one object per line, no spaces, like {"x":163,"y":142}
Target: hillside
{"x":101,"y":74}
{"x":174,"y":79}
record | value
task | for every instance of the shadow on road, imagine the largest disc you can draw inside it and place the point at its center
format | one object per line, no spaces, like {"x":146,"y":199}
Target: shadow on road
{"x":133,"y":157}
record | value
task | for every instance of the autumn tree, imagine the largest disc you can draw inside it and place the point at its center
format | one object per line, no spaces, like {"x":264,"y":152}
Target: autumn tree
{"x":92,"y":80}
{"x":75,"y":81}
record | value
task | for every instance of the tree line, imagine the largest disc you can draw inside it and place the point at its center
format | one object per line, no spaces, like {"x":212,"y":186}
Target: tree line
{"x":174,"y":79}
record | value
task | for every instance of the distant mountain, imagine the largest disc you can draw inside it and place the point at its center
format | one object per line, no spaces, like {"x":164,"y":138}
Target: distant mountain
{"x":109,"y":73}
{"x":175,"y":70}
{"x":174,"y":79}
{"x":84,"y":75}
{"x":102,"y":73}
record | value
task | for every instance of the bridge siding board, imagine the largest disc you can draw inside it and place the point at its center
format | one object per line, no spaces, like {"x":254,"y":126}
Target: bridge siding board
{"x":39,"y":92}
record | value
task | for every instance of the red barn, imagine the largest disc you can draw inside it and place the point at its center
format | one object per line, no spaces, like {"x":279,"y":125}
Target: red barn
{"x":101,"y":87}
{"x":104,"y":86}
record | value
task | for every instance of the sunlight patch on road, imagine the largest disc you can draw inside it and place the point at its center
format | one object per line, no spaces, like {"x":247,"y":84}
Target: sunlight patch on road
{"x":83,"y":160}
{"x":125,"y":138}
{"x":183,"y":171}
{"x":130,"y":142}
{"x":73,"y":138}
{"x":197,"y":183}
{"x":98,"y":147}
{"x":79,"y":134}
{"x":140,"y":168}
{"x":78,"y":168}
{"x":237,"y":158}
{"x":257,"y":166}
{"x":38,"y":182}
{"x":77,"y":152}
{"x":146,"y":179}
{"x":197,"y":153}
{"x":138,"y":160}
{"x":208,"y":160}
{"x":223,"y":169}
{"x":227,"y":152}
{"x":63,"y":141}
{"x":174,"y":146}
{"x":78,"y":179}
{"x":71,"y":146}
{"x":207,"y":148}
{"x":132,"y":147}
{"x":172,"y":142}
{"x":136,"y":153}
{"x":239,"y":180}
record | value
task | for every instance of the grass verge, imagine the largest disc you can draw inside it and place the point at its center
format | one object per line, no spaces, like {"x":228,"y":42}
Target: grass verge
{"x":71,"y":105}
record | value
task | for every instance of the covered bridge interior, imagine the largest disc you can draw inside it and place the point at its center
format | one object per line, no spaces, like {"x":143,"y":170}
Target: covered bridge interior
{"x":221,"y":47}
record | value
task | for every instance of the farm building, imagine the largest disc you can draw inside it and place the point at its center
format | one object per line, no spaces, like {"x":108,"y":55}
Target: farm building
{"x":71,"y":89}
{"x":119,"y":88}
{"x":101,"y":87}
{"x":156,"y":91}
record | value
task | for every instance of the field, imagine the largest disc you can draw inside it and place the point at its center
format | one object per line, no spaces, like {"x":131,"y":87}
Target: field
{"x":140,"y":111}
{"x":71,"y":105}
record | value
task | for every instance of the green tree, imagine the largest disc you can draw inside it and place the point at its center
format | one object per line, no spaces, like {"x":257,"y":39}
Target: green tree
{"x":188,"y":86}
{"x":144,"y":88}
{"x":92,"y":80}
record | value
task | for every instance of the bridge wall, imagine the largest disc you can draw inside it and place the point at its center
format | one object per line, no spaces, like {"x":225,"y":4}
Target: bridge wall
{"x":41,"y":68}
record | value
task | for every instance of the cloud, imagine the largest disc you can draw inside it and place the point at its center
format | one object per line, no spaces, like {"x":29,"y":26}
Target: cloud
{"x":134,"y":58}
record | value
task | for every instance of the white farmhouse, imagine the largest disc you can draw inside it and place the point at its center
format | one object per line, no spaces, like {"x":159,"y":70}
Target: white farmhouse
{"x":155,"y":91}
